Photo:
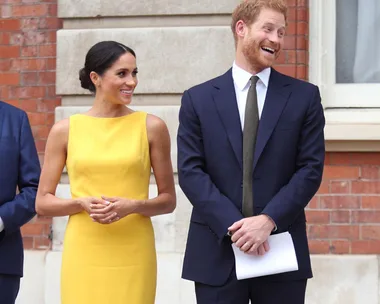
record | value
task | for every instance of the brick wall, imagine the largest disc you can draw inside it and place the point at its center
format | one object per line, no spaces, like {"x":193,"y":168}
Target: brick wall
{"x":27,"y":78}
{"x":345,"y":215}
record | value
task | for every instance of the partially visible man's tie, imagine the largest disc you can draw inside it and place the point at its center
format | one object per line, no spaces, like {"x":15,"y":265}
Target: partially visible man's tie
{"x":251,"y":123}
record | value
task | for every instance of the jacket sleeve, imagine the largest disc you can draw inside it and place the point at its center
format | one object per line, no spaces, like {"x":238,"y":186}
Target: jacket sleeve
{"x":21,"y":209}
{"x":291,"y":200}
{"x":218,"y":211}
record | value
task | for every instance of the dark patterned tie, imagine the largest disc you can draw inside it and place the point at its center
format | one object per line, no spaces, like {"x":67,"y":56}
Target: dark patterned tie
{"x":251,"y":123}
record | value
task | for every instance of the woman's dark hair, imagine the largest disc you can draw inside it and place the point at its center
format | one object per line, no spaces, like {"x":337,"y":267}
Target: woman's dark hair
{"x":99,"y":58}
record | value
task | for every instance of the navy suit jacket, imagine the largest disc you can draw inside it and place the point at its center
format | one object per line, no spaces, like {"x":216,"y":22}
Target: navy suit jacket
{"x":19,"y":168}
{"x":287,"y":169}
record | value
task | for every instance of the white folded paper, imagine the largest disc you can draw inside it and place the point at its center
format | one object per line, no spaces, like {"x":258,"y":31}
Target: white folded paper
{"x":280,"y":258}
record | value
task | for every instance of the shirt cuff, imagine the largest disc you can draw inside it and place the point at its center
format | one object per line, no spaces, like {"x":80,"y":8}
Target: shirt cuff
{"x":1,"y":225}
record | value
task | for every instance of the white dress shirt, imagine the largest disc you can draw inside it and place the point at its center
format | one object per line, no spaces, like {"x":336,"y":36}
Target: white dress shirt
{"x":1,"y":225}
{"x":242,"y":83}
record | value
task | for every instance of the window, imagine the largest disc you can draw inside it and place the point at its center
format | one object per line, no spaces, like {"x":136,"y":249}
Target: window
{"x":345,"y":64}
{"x":345,"y":41}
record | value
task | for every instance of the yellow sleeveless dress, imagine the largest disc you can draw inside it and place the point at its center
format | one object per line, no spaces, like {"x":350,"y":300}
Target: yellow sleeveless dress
{"x":114,"y":263}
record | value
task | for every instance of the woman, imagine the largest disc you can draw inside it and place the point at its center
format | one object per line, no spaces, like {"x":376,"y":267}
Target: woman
{"x":109,"y":252}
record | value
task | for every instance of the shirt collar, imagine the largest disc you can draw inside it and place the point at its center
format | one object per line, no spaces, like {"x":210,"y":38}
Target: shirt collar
{"x":242,"y":77}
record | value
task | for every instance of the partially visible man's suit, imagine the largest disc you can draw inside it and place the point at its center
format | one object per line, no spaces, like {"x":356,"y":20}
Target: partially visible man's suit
{"x":287,"y":169}
{"x":19,"y":168}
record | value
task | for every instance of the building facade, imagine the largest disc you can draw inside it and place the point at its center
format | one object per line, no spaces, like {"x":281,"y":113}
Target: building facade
{"x":179,"y":44}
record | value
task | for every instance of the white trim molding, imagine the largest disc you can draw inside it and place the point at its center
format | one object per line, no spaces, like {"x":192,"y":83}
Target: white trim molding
{"x":352,"y":110}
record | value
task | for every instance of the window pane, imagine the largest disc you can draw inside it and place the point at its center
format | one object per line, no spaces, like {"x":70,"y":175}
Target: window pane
{"x":357,"y":41}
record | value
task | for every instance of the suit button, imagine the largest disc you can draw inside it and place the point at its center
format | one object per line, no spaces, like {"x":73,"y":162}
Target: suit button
{"x":241,"y":185}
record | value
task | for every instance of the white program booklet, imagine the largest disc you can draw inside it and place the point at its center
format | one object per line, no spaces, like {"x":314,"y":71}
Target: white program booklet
{"x":280,"y":258}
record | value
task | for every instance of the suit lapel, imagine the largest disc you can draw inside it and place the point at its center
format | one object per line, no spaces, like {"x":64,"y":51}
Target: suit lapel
{"x":225,"y":101}
{"x":277,"y":96}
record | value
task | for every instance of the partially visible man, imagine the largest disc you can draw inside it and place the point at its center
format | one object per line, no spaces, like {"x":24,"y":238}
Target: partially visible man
{"x":250,"y":157}
{"x":19,"y":168}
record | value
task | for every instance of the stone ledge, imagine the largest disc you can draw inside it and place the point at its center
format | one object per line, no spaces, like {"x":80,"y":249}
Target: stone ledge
{"x":170,"y":60}
{"x":99,"y":8}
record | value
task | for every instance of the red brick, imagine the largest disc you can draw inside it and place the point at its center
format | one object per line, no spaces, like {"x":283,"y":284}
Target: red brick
{"x":371,"y":202}
{"x":302,"y":28}
{"x":51,"y":64}
{"x":29,"y":78}
{"x":301,"y":43}
{"x":29,"y":64}
{"x":50,"y":119}
{"x":9,"y":51}
{"x":341,"y":158}
{"x":4,"y":92}
{"x":51,"y":36}
{"x":28,"y":242}
{"x":301,"y":72}
{"x":42,"y":132}
{"x":4,"y":38}
{"x":30,"y":23}
{"x":334,"y":232}
{"x":46,"y":78}
{"x":340,"y":172}
{"x":5,"y":65}
{"x":340,"y":187}
{"x":50,"y":23}
{"x":29,"y":10}
{"x":319,"y":246}
{"x":317,"y":217}
{"x":370,"y":232}
{"x":365,"y":158}
{"x":302,"y":57}
{"x":292,"y":14}
{"x":291,"y":29}
{"x":290,"y":43}
{"x":9,"y":25}
{"x":314,"y":203}
{"x":48,"y":105}
{"x":40,"y":145}
{"x":9,"y":79}
{"x":291,"y":3}
{"x":340,"y":246}
{"x":53,"y":10}
{"x":302,"y":14}
{"x":365,"y":247}
{"x":28,"y":92}
{"x":48,"y":50}
{"x":289,"y":70}
{"x":366,"y":216}
{"x":370,"y":173}
{"x":29,"y":105}
{"x":366,"y":187}
{"x":324,"y":188}
{"x":291,"y":57}
{"x":340,"y":216}
{"x":340,"y":202}
{"x":50,"y":91}
{"x":29,"y":51}
{"x":37,"y":119}
{"x":32,"y":229}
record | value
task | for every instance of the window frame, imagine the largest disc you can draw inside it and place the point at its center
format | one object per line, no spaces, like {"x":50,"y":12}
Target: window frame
{"x":352,"y":110}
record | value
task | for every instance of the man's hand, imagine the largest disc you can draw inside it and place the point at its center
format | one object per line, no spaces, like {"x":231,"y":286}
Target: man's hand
{"x":251,"y":234}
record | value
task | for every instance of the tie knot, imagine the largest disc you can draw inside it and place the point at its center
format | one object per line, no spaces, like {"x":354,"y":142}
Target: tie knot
{"x":254,"y":80}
